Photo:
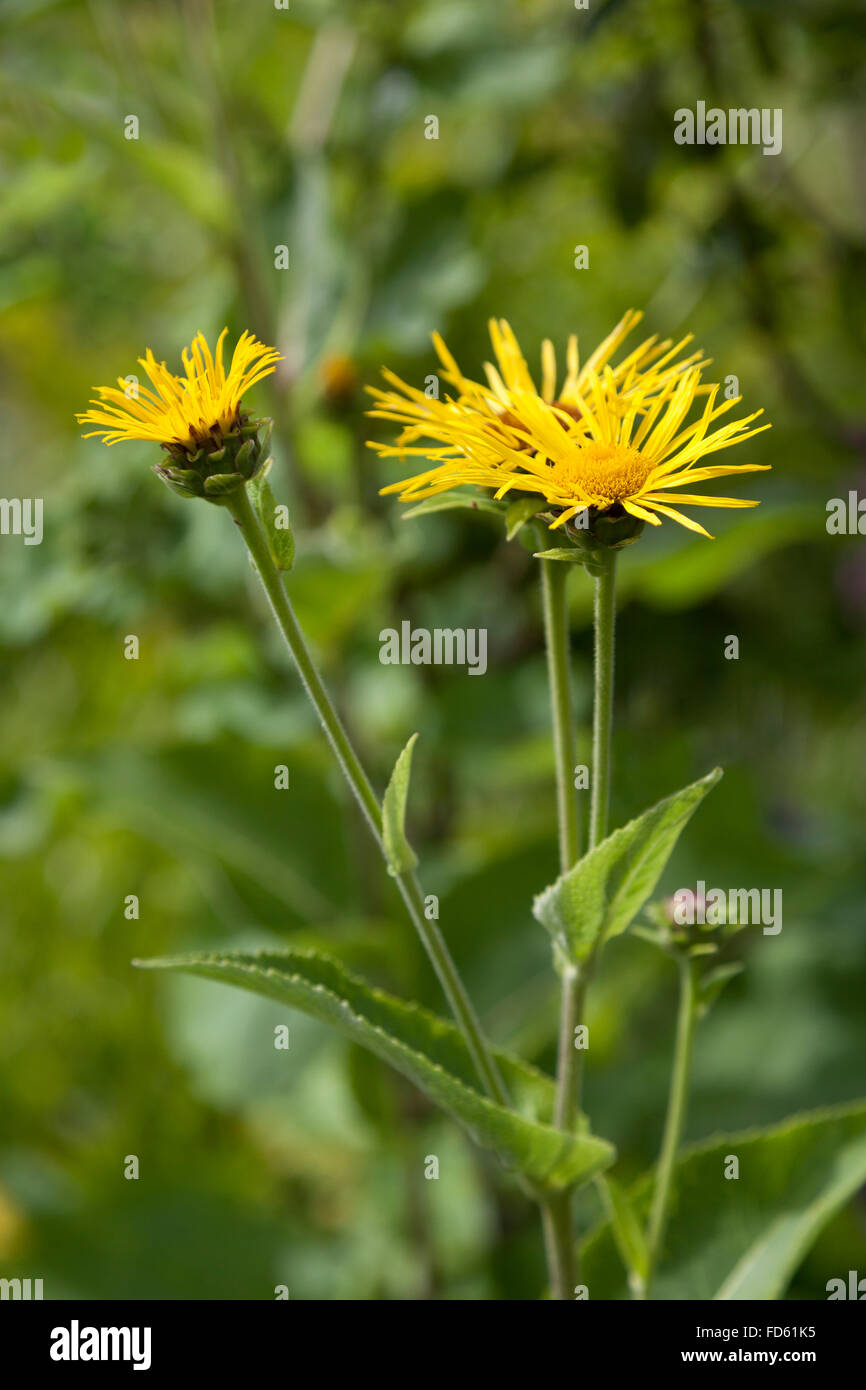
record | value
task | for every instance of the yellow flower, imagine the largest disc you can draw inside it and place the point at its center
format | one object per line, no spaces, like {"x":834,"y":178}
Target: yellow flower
{"x":182,"y":413}
{"x":612,"y":438}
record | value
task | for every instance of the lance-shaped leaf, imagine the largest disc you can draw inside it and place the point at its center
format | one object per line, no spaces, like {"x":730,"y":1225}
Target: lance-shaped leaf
{"x":627,"y":1229}
{"x":521,"y":511}
{"x":571,"y":557}
{"x":455,"y":501}
{"x":605,"y":890}
{"x":426,"y":1049}
{"x":399,"y":853}
{"x":742,"y":1235}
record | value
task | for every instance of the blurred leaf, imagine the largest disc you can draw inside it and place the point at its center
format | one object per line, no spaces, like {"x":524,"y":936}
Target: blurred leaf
{"x":696,"y":571}
{"x":425,"y":1048}
{"x":454,"y":501}
{"x":183,"y":813}
{"x":743,"y":1238}
{"x":627,"y":1229}
{"x":606,"y":888}
{"x":519,"y":513}
{"x":571,"y":557}
{"x":712,"y":984}
{"x":399,"y":853}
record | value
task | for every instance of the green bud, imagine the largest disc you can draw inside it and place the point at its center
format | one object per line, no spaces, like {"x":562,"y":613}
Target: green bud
{"x":221,"y":484}
{"x":183,"y":481}
{"x":216,"y":472}
{"x":246,"y":456}
{"x":611,"y":529}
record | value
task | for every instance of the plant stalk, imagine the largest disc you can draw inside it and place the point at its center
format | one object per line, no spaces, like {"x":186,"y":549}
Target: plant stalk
{"x":558,"y":1228}
{"x":554,"y":578}
{"x":676,"y":1113}
{"x":238,"y":504}
{"x":602,"y":715}
{"x":577,"y":981}
{"x":556,"y":1214}
{"x":558,"y":1221}
{"x":604,"y":627}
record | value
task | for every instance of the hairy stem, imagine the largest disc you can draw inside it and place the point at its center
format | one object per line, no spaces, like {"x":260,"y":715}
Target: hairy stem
{"x":602,"y":717}
{"x":676,"y":1113}
{"x":554,"y":577}
{"x":604,"y":626}
{"x":556,"y":1214}
{"x":238,"y":505}
{"x":575,"y":982}
{"x":558,"y":1228}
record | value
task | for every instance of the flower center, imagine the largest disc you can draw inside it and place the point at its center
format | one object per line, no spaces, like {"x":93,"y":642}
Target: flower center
{"x":605,"y":472}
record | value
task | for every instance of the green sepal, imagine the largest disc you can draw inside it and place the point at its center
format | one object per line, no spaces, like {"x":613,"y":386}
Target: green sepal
{"x":185,"y":482}
{"x":604,"y":531}
{"x":221,"y":484}
{"x":245,"y":458}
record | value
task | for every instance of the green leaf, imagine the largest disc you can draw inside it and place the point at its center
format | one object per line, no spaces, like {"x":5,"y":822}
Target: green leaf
{"x":281,"y":540}
{"x":399,"y":853}
{"x":519,"y":512}
{"x":744,"y":1237}
{"x":426,"y":1049}
{"x":627,"y":1229}
{"x":454,"y":501}
{"x":572,"y":557}
{"x":711,"y":985}
{"x":605,"y":890}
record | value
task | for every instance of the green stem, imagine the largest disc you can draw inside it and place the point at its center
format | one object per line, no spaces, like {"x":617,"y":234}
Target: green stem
{"x":238,"y":505}
{"x":556,"y":1214}
{"x":558,"y":1228}
{"x":676,"y":1113}
{"x":554,"y":577}
{"x":604,"y":624}
{"x":602,"y":718}
{"x":575,"y":982}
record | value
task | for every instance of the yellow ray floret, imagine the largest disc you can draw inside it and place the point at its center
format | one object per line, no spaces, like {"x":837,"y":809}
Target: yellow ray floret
{"x":182,"y":411}
{"x":610,"y":436}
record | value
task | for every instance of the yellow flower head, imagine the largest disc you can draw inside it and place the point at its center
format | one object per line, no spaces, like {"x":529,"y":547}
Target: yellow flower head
{"x":611,"y":439}
{"x":187,"y":412}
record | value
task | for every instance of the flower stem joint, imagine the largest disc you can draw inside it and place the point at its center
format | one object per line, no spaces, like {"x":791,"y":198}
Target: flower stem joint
{"x":223,"y":462}
{"x":594,"y":532}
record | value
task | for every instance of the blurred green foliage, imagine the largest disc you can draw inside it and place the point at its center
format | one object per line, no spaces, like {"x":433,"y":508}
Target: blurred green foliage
{"x":261,"y":127}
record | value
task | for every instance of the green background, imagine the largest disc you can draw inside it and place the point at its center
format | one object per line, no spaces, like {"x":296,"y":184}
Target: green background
{"x":259,"y":128}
